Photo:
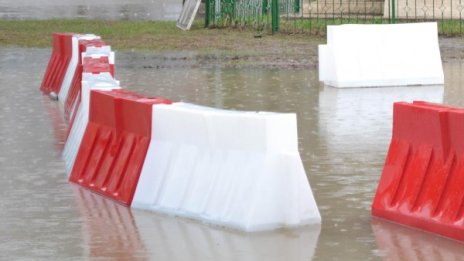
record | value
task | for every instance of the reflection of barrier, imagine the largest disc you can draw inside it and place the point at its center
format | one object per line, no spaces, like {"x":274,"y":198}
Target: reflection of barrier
{"x":381,"y":55}
{"x":371,"y":110}
{"x":112,"y":231}
{"x":421,"y":184}
{"x":202,"y":242}
{"x":80,"y":117}
{"x":400,"y":243}
{"x":58,"y":63}
{"x":58,"y":122}
{"x":240,"y":169}
{"x":115,"y":143}
{"x":109,"y":229}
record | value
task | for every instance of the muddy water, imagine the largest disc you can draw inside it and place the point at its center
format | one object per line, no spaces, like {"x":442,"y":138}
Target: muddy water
{"x":103,"y":9}
{"x":343,"y":135}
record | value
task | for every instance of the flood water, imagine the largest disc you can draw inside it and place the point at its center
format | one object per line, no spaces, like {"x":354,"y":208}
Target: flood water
{"x":102,"y":9}
{"x":343,"y":136}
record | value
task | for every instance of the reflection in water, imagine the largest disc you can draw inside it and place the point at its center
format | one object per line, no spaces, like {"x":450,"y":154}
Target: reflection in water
{"x":396,"y":242}
{"x":354,"y":116}
{"x":37,"y":218}
{"x":109,"y":229}
{"x":58,"y":124}
{"x":172,"y":238}
{"x":454,"y":80}
{"x":103,"y":9}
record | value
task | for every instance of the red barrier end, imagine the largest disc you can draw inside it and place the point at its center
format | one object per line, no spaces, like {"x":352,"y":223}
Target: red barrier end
{"x":422,"y":180}
{"x":115,"y":143}
{"x":58,"y":63}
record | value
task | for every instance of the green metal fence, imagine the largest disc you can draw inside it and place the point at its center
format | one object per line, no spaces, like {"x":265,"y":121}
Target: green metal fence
{"x":313,"y":16}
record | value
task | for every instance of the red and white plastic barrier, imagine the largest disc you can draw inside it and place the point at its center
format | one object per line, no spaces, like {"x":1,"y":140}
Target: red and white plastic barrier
{"x":181,"y":158}
{"x":79,"y":63}
{"x":422,"y":180}
{"x":239,"y":169}
{"x":73,"y":63}
{"x":80,"y":118}
{"x":68,"y":97}
{"x":368,"y":55}
{"x":96,"y":60}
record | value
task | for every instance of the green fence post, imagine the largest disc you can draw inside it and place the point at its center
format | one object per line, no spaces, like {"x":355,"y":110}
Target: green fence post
{"x":265,"y":6}
{"x":208,"y":12}
{"x":233,"y":9}
{"x":275,"y":15}
{"x":296,"y":6}
{"x":393,"y":18}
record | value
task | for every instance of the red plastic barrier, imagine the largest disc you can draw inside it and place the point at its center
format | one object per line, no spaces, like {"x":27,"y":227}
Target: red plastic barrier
{"x":58,"y":63}
{"x":423,"y":177}
{"x":97,"y":65}
{"x":75,"y":88}
{"x":115,"y":143}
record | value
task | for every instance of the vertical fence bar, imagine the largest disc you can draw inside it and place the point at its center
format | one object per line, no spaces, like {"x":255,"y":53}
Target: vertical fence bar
{"x":460,"y":18}
{"x":393,"y":16}
{"x":296,"y":6}
{"x":207,"y":13}
{"x":265,"y":6}
{"x":275,"y":15}
{"x":442,"y":16}
{"x":433,"y":9}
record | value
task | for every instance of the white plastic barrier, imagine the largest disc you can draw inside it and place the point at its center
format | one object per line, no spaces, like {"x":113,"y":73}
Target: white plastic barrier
{"x":102,"y":81}
{"x":96,"y":52}
{"x":71,"y":70}
{"x":381,"y":55}
{"x":238,"y":169}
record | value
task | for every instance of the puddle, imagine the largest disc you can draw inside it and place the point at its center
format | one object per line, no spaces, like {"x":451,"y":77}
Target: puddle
{"x":343,"y":136}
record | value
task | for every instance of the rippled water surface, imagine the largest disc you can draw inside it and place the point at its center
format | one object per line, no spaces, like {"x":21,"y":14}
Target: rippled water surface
{"x":343,"y":134}
{"x":102,"y":9}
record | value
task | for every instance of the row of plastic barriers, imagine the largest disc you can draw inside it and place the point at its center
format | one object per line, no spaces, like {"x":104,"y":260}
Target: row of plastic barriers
{"x":233,"y":168}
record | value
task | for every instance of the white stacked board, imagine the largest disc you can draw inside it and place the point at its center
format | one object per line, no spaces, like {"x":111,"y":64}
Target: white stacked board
{"x":370,"y":55}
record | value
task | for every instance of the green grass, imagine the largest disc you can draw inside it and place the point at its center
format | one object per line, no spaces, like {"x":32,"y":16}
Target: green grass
{"x":317,"y":26}
{"x":451,"y":28}
{"x":144,"y":35}
{"x":150,"y":35}
{"x":121,"y":34}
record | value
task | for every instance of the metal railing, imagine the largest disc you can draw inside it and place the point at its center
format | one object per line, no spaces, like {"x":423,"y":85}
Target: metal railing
{"x":313,"y":16}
